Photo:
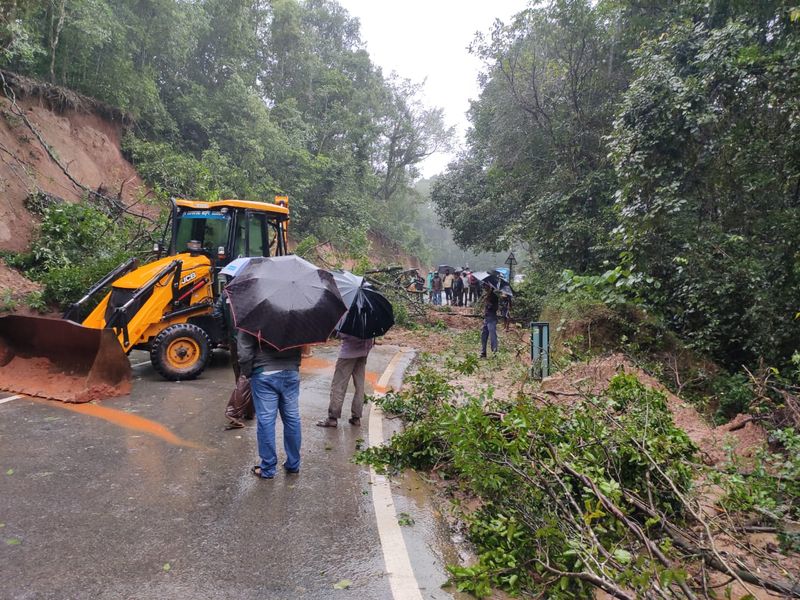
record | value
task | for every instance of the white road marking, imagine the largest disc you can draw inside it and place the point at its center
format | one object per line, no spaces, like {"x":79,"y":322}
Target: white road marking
{"x":146,"y":362}
{"x":395,"y":554}
{"x":10,"y":398}
{"x":383,"y":382}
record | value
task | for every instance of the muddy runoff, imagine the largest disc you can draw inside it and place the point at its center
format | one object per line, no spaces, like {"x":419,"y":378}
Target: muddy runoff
{"x":61,"y":360}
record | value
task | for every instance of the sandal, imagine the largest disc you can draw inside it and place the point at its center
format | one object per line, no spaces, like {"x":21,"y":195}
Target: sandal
{"x":329,"y":422}
{"x":354,"y":421}
{"x":256,"y":470}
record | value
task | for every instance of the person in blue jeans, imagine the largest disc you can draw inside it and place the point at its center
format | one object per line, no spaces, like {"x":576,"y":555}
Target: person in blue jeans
{"x":275,"y":383}
{"x":489,"y":331}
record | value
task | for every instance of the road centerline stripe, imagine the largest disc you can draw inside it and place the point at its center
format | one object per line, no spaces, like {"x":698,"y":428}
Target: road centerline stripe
{"x":402,"y":581}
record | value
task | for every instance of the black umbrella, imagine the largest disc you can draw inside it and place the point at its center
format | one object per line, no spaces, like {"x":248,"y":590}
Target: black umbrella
{"x":369,"y":316}
{"x":494,"y":281}
{"x":444,"y":268}
{"x":285,"y":301}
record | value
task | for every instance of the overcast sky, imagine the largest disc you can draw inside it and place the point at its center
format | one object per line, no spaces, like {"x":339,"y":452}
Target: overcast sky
{"x":427,"y":40}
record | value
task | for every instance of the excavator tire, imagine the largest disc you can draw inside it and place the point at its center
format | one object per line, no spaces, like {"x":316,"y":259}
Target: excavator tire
{"x":181,"y":352}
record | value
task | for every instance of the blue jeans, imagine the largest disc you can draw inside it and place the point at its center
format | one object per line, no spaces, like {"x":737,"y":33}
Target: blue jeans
{"x":273,"y":393}
{"x":488,"y":332}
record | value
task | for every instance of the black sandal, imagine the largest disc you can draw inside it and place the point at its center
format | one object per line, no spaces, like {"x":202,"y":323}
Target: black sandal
{"x":256,"y":470}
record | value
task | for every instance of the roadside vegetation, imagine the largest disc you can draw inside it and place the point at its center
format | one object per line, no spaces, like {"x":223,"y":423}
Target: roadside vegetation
{"x":589,"y":481}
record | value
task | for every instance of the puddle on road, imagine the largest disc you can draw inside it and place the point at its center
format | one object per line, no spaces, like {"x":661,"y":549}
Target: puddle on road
{"x":314,"y":363}
{"x":372,"y":378}
{"x":429,"y":541}
{"x":125,"y":420}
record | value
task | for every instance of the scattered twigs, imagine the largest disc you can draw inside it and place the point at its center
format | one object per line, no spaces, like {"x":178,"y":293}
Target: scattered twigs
{"x":684,"y":541}
{"x":596,"y":581}
{"x":651,"y":546}
{"x":114,"y":206}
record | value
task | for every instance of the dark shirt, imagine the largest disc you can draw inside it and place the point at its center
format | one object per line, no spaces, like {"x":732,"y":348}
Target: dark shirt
{"x":491,"y":301}
{"x":255,"y":357}
{"x":505,"y":306}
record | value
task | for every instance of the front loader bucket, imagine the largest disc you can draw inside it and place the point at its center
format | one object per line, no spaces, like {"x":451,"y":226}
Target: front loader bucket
{"x":58,"y":359}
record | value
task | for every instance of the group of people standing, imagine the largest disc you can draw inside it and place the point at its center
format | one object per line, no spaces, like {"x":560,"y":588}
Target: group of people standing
{"x":460,"y":288}
{"x":274,"y":376}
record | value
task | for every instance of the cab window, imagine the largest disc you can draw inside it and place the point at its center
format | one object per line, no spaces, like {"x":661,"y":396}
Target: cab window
{"x":258,"y":236}
{"x":208,"y":228}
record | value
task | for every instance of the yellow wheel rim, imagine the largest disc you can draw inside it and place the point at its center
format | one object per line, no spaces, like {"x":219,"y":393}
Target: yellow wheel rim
{"x":183,"y":352}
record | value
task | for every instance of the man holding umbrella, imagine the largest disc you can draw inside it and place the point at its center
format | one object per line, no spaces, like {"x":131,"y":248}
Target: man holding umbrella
{"x":369,"y":315}
{"x":489,"y":330}
{"x":492,"y":285}
{"x":352,"y":362}
{"x":280,"y":304}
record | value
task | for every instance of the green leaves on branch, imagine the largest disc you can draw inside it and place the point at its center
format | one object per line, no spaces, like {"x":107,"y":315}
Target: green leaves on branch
{"x":76,"y":245}
{"x":615,"y":286}
{"x":547,"y":479}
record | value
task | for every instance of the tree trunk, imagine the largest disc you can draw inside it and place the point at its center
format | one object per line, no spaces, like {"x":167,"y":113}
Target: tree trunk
{"x":55,"y":32}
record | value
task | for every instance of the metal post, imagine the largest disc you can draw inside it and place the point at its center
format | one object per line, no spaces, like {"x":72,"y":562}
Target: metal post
{"x":540,"y":350}
{"x":511,"y":261}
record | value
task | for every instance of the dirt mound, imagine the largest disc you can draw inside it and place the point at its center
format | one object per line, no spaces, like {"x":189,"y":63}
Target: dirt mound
{"x":744,"y":437}
{"x":14,"y":286}
{"x":86,"y":145}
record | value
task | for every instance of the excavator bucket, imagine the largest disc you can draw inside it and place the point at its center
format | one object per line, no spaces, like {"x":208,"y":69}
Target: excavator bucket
{"x":61,"y":360}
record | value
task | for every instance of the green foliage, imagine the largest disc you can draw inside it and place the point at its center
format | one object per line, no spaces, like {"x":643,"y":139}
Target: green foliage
{"x":35,"y":301}
{"x":244,"y":99}
{"x":733,"y":393}
{"x":525,"y":463}
{"x":614,"y":286}
{"x":8,"y":303}
{"x":717,"y":226}
{"x":771,"y":486}
{"x":467,"y":366}
{"x":77,"y":245}
{"x":422,"y":392}
{"x":664,"y":142}
{"x":531,"y":294}
{"x":306,"y":246}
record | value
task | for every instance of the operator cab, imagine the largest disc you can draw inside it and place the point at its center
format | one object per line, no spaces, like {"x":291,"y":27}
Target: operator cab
{"x":228,"y":229}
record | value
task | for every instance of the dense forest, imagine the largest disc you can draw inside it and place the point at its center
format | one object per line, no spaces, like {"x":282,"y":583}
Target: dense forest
{"x":244,"y":98}
{"x":642,"y":160}
{"x":644,"y":152}
{"x":652,"y":150}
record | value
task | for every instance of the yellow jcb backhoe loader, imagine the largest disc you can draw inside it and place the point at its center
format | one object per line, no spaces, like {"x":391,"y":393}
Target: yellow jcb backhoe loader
{"x":164,"y":307}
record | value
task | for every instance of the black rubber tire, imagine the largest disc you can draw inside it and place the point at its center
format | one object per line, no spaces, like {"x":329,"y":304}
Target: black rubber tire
{"x":177,"y":344}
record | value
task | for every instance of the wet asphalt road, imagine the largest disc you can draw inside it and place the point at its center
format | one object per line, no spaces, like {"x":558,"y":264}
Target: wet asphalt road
{"x":146,"y":496}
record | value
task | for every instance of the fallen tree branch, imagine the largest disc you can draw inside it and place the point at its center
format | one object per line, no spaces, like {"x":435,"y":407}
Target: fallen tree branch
{"x":683,"y":541}
{"x":596,"y":581}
